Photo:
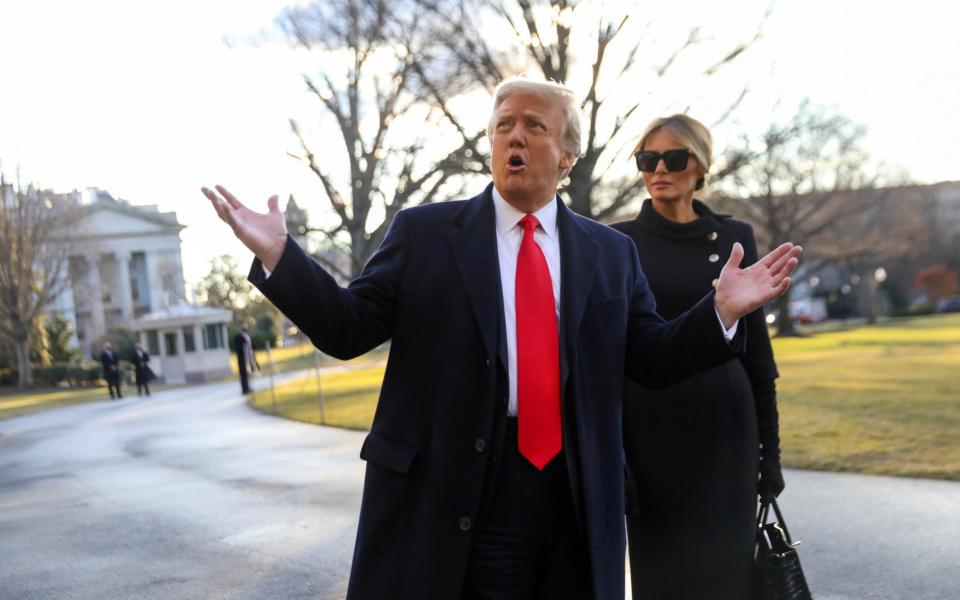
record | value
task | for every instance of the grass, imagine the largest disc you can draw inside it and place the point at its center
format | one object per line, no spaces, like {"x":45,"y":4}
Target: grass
{"x":286,"y":359}
{"x":349,"y":398}
{"x":14,"y":402}
{"x":883,"y":399}
{"x":19,"y":403}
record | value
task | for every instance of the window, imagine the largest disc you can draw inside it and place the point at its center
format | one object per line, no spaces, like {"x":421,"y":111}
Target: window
{"x":213,"y":336}
{"x":188,"y":343}
{"x":153,"y":343}
{"x":139,"y":283}
{"x":170,"y":341}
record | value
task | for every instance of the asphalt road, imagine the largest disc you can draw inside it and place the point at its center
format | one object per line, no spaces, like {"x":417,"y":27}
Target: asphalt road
{"x":192,"y":495}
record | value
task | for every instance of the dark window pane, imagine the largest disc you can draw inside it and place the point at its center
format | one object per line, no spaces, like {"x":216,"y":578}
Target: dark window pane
{"x":153,"y":343}
{"x":211,"y":339}
{"x":188,"y":344}
{"x":170,"y":341}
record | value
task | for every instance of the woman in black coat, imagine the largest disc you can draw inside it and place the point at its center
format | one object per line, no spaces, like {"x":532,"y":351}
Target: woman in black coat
{"x":141,"y":369}
{"x":694,"y":451}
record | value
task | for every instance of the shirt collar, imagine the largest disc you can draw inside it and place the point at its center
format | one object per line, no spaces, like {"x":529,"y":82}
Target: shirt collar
{"x":507,"y":216}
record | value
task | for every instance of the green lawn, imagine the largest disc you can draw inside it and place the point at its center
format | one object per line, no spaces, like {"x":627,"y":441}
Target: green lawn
{"x":349,"y":398}
{"x":883,"y":399}
{"x":879,"y":399}
{"x":16,"y":403}
{"x":289,"y":358}
{"x":301,"y":356}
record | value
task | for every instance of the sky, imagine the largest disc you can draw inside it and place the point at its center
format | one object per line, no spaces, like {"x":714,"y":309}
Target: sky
{"x":152,"y":100}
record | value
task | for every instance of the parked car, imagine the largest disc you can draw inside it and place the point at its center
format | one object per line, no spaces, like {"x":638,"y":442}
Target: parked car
{"x":951,"y":304}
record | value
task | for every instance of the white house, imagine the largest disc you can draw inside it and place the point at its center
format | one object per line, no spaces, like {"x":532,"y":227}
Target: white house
{"x":125,"y":269}
{"x":124,"y":262}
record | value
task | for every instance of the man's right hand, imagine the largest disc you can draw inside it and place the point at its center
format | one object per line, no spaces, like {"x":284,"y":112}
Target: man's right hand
{"x":265,"y":234}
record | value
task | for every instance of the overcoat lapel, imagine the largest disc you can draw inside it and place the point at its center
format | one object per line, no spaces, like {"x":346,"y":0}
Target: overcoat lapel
{"x":578,"y":266}
{"x":473,"y":244}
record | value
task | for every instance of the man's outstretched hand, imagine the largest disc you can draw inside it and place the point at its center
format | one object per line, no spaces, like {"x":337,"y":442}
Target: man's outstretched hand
{"x":742,"y":291}
{"x":265,"y":234}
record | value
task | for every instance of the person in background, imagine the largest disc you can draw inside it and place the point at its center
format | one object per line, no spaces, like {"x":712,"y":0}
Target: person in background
{"x":111,"y":369}
{"x":246,"y":359}
{"x":694,"y":450}
{"x":141,"y":368}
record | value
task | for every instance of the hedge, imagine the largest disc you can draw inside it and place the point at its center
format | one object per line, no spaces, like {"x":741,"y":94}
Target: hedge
{"x":69,"y":374}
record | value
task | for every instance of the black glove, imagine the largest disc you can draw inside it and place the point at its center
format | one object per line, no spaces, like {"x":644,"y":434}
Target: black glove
{"x":771,"y":478}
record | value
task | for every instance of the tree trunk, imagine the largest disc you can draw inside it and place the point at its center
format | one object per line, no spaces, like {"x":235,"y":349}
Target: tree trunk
{"x":579,"y":190}
{"x":784,"y":322}
{"x":25,"y":376}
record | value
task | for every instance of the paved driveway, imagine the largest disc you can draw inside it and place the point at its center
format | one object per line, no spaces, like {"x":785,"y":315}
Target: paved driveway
{"x":190,"y":494}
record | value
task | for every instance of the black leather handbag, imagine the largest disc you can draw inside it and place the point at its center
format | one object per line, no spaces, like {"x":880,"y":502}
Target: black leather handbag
{"x":778,"y":575}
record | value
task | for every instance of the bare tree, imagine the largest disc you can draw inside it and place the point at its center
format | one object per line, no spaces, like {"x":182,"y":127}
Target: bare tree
{"x":33,"y":265}
{"x":401,"y":66}
{"x":591,"y":46}
{"x":810,"y":181}
{"x":381,"y":49}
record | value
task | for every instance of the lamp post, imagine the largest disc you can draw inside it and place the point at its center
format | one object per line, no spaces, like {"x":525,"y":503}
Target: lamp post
{"x":879,"y":276}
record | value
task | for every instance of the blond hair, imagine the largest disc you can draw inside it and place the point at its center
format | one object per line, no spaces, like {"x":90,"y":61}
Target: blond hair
{"x":693,"y":134}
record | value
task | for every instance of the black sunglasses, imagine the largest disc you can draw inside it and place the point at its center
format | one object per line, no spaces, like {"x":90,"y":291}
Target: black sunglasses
{"x":674,"y":160}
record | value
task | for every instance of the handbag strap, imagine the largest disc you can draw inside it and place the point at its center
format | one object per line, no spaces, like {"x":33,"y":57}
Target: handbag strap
{"x":764,"y":513}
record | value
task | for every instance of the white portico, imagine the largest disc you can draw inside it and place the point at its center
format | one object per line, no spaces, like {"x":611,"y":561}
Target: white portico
{"x":124,"y":262}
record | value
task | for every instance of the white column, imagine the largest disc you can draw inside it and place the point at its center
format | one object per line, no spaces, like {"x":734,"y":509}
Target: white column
{"x":98,"y":322}
{"x":151,"y":260}
{"x":124,"y":293}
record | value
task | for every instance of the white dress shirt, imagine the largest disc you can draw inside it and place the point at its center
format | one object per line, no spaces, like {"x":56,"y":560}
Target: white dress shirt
{"x":509,"y":236}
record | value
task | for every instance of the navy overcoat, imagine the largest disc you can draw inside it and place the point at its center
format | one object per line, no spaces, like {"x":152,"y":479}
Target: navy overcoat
{"x":433,"y":289}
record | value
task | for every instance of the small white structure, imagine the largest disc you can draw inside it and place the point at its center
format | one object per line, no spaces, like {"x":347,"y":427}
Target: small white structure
{"x":186,"y":343}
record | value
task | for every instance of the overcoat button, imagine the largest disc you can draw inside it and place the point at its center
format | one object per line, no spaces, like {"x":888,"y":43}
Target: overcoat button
{"x":487,"y":361}
{"x":712,"y":236}
{"x":480,"y":445}
{"x":464,"y":523}
{"x":713,"y":257}
{"x":714,"y":282}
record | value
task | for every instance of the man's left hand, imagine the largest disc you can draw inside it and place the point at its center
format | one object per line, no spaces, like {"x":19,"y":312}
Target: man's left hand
{"x":742,"y":291}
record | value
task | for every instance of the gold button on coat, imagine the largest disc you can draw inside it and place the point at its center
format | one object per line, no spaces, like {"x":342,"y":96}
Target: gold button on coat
{"x":713,"y":257}
{"x":712,"y":236}
{"x":714,"y":282}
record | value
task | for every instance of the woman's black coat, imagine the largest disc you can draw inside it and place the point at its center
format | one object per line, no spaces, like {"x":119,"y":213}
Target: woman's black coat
{"x":692,"y":449}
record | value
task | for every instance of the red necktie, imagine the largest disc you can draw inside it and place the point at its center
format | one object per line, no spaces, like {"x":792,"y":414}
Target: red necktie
{"x":538,"y":353}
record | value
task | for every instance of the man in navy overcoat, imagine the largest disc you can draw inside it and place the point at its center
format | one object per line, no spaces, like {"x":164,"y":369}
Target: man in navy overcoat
{"x":450,"y":509}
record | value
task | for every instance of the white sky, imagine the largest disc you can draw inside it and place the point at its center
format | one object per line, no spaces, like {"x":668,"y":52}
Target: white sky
{"x":147,"y":101}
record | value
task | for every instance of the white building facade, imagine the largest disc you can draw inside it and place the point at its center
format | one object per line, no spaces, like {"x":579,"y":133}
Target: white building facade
{"x":124,"y":263}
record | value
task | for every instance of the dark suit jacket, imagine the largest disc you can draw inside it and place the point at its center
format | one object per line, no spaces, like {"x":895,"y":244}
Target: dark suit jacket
{"x":141,"y":366}
{"x":246,"y":361}
{"x":433,"y":288}
{"x":111,"y":366}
